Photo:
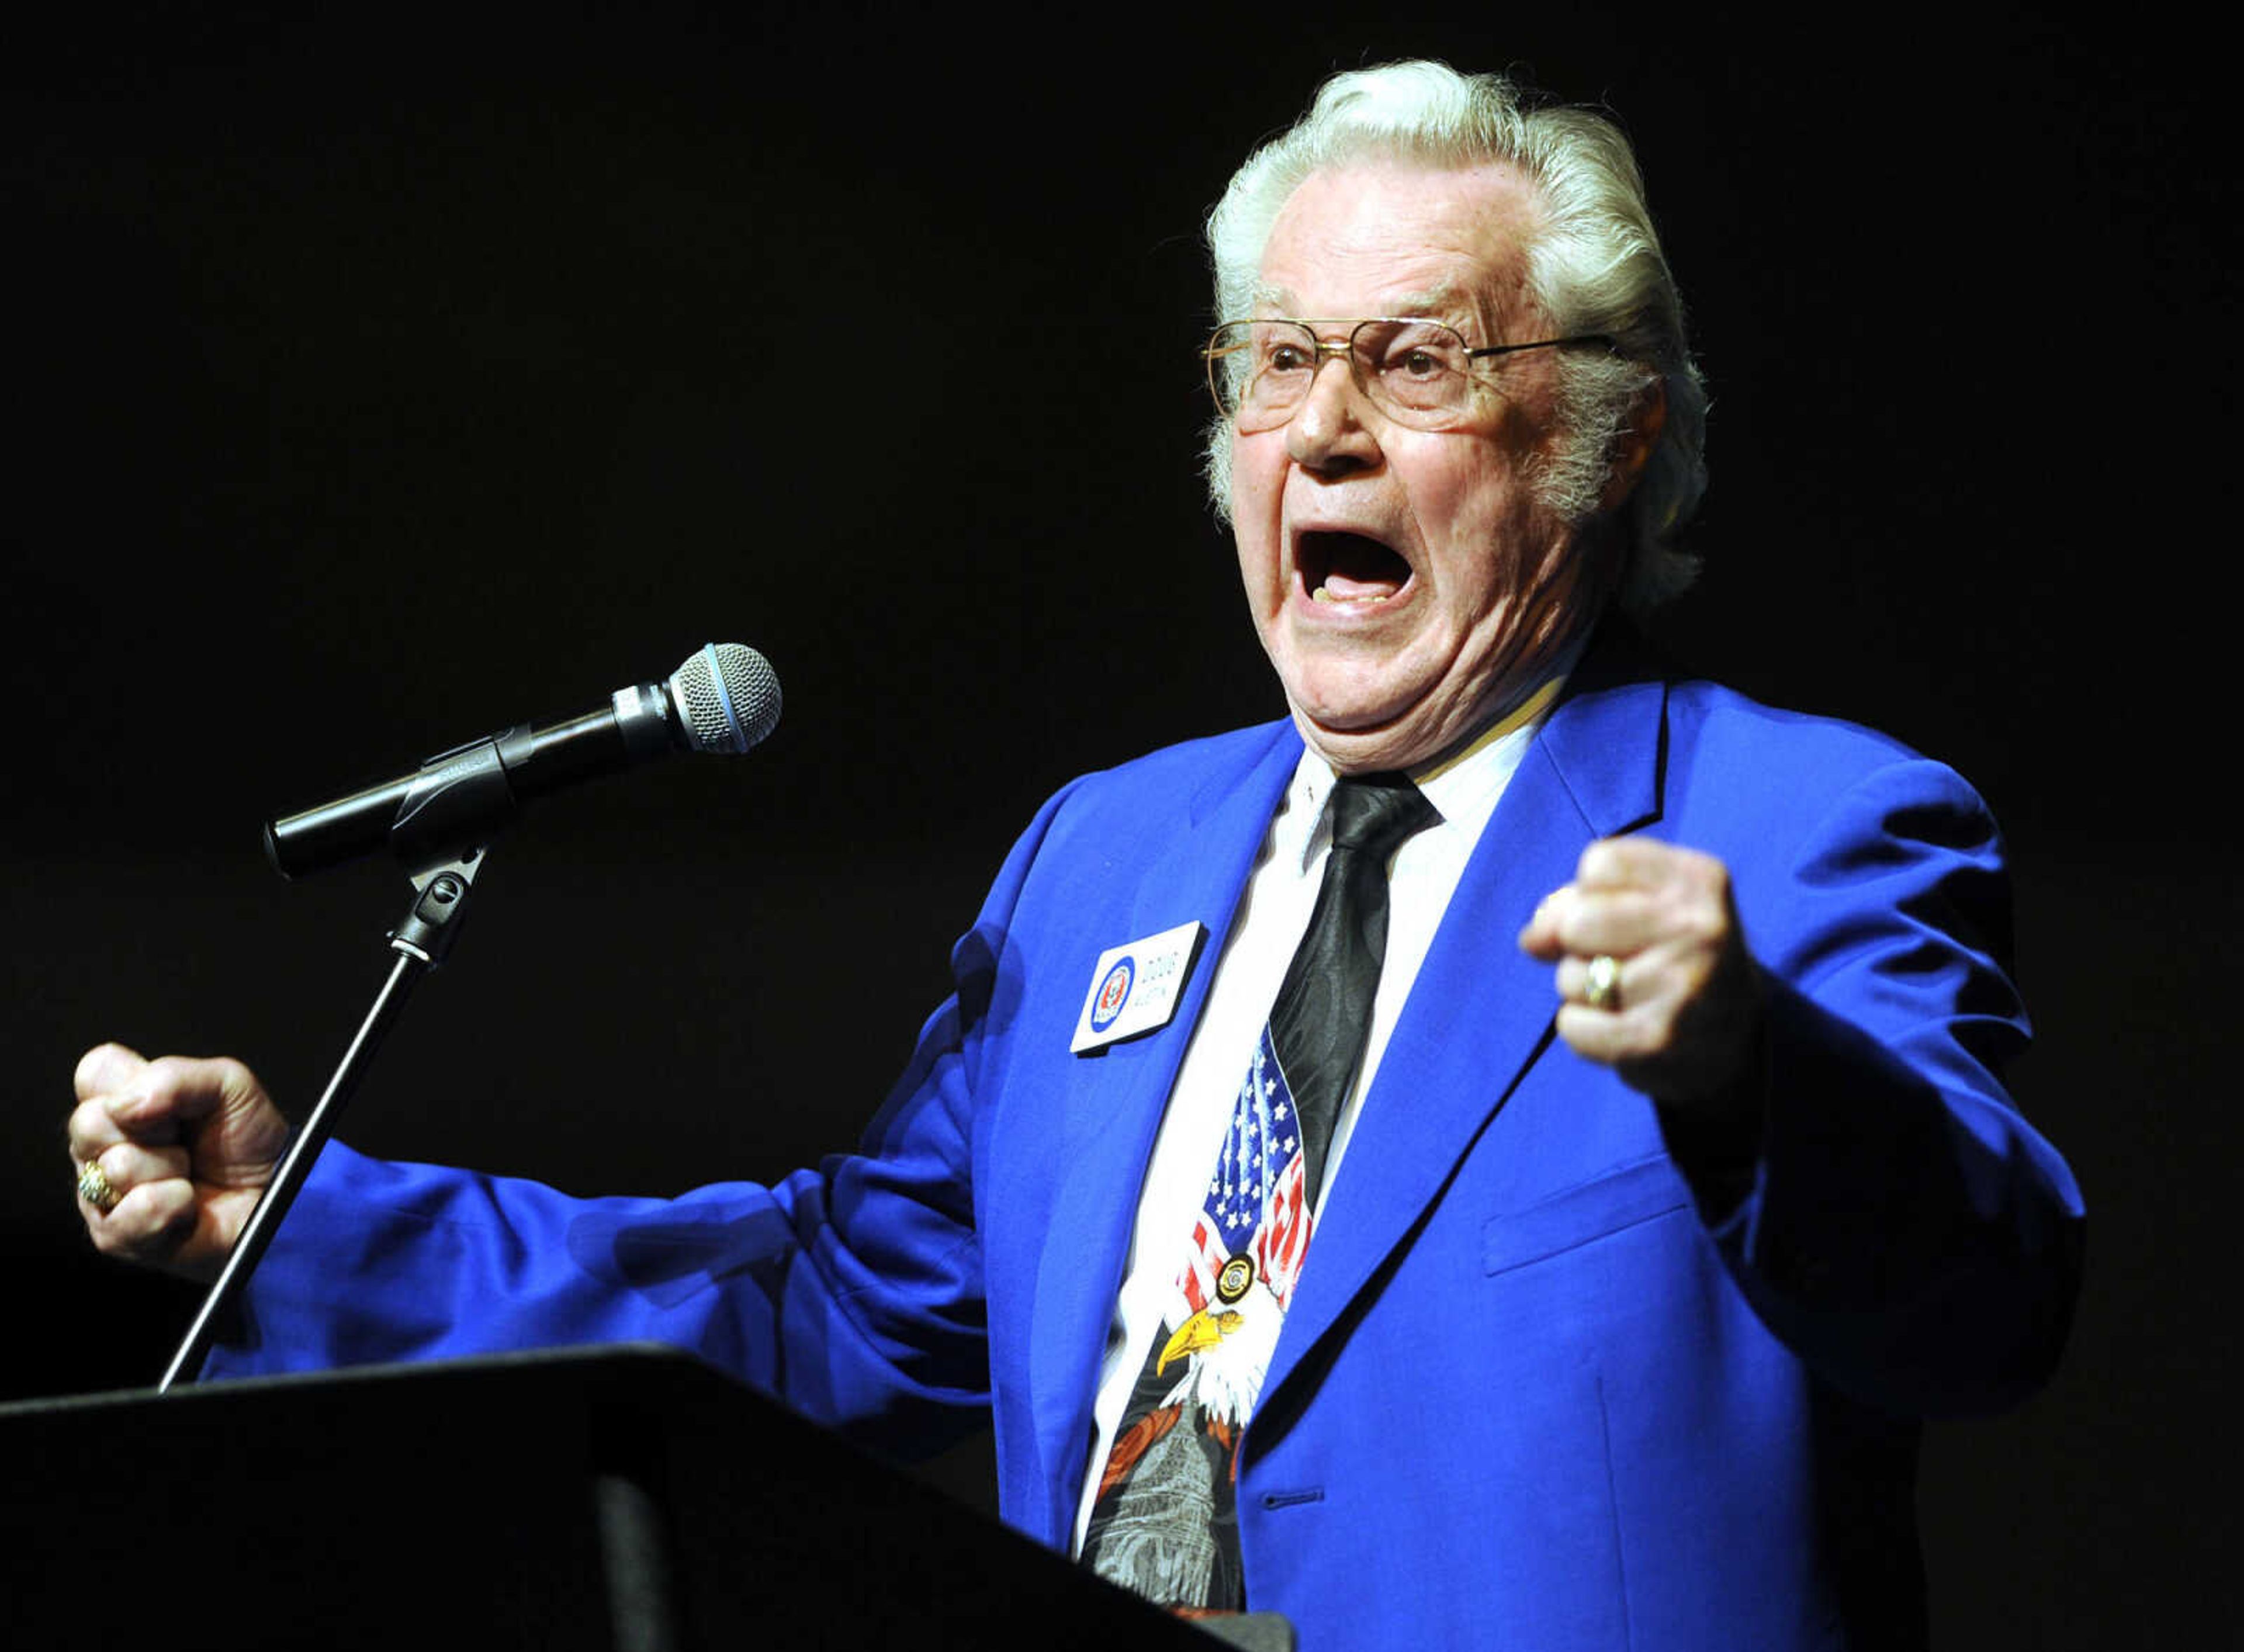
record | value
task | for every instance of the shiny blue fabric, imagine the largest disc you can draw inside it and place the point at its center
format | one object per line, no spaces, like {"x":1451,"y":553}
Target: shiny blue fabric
{"x":1564,"y":1371}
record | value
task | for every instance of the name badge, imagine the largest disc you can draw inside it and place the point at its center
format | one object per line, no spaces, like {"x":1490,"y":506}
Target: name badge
{"x":1135,"y":986}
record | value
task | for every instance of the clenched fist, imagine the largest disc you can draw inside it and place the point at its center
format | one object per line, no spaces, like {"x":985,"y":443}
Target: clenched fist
{"x":1654,"y":975}
{"x":185,"y":1147}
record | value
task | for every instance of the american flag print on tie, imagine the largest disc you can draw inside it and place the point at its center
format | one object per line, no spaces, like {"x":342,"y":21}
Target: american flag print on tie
{"x":1165,"y":1523}
{"x":1165,"y":1520}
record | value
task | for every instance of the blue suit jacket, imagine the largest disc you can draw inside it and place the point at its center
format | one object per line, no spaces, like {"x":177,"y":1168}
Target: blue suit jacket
{"x":1561,"y":1372}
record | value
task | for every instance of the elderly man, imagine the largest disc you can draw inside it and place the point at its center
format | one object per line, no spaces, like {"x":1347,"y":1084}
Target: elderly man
{"x":1303,"y":1258}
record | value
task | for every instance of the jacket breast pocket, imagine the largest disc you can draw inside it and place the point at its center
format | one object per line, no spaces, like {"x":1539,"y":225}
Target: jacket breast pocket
{"x":1583,"y":1214}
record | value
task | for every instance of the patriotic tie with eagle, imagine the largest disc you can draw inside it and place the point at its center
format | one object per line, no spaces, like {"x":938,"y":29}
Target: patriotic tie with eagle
{"x":1165,"y":1524}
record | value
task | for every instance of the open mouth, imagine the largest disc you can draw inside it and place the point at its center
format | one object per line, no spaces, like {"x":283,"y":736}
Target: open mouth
{"x":1348,"y":568}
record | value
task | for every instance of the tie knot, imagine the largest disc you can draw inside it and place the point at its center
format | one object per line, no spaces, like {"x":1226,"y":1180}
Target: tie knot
{"x":1372,"y":814}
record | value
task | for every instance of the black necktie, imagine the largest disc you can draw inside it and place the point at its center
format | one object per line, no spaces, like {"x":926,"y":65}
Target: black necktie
{"x":1322,"y":1016}
{"x":1165,"y":1522}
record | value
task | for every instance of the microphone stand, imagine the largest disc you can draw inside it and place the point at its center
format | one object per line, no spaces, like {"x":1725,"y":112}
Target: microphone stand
{"x":422,"y":942}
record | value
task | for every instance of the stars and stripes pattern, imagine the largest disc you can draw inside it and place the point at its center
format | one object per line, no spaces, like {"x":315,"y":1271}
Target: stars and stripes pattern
{"x":1165,"y":1520}
{"x":1255,"y":1200}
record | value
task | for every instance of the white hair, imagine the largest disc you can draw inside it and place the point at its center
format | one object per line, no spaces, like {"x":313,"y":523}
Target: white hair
{"x":1594,"y":266}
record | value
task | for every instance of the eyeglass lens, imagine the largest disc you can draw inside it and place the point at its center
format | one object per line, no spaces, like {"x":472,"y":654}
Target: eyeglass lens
{"x":1261,"y":370}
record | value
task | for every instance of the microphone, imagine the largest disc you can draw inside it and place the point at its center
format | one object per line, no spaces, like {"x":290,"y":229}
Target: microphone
{"x":724,"y":699}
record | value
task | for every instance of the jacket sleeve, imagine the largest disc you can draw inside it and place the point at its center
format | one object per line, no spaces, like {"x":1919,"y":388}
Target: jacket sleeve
{"x":1896,"y":1221}
{"x":853,"y":1292}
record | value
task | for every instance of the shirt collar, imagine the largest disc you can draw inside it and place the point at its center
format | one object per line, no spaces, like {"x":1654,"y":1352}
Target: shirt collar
{"x":1463,"y":787}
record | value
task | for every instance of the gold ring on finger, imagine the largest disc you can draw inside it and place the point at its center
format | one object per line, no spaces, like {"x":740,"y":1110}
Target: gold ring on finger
{"x":1601,"y":986}
{"x":95,"y":1187}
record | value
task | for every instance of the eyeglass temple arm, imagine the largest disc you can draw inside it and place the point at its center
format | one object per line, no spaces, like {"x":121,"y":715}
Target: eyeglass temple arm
{"x":1605,"y":338}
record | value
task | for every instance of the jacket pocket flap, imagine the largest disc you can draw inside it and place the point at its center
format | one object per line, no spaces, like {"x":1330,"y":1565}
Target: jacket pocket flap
{"x":1587,"y":1211}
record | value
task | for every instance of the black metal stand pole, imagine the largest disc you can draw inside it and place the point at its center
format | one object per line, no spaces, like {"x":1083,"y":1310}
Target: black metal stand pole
{"x":422,"y":942}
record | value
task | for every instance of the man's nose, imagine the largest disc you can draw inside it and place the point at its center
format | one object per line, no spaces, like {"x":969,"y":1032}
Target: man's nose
{"x":1328,"y":431}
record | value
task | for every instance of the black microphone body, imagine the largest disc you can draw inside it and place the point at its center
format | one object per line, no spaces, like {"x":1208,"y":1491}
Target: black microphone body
{"x":724,"y":698}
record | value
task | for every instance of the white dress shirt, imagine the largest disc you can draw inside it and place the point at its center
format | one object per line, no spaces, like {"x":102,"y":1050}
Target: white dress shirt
{"x":1272,"y":914}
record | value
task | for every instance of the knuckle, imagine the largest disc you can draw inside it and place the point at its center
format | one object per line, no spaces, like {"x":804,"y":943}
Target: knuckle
{"x":232,"y":1078}
{"x":1710,"y":876}
{"x":1588,"y":1032}
{"x":145,"y":1227}
{"x":86,"y":1129}
{"x":102,"y":1067}
{"x":1705,"y":924}
{"x":161,"y":1078}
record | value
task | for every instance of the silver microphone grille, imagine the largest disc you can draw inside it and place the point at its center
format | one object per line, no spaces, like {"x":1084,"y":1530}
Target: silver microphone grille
{"x":728,"y":696}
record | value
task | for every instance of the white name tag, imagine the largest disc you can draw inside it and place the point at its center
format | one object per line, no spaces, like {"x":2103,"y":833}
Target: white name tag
{"x":1135,"y":986}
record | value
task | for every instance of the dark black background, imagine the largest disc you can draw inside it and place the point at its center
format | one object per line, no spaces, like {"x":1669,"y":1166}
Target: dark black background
{"x":374,"y":380}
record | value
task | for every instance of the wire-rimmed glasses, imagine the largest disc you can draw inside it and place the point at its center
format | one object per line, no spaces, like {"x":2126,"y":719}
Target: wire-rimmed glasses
{"x":1415,"y":371}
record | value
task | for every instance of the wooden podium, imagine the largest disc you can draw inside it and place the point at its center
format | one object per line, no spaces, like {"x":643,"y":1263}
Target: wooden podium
{"x":610,"y":1498}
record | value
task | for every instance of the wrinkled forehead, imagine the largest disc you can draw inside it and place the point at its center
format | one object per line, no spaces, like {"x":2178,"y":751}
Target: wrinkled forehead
{"x":1389,"y":237}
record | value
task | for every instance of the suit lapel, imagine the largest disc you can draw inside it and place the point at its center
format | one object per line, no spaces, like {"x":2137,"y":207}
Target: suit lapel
{"x":1115,"y":1102}
{"x":1480,"y":1012}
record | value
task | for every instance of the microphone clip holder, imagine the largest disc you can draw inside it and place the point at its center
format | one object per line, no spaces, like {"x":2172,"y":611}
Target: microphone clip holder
{"x":421,"y":941}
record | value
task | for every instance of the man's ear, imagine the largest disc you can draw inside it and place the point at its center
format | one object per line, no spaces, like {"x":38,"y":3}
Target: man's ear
{"x":1632,"y":446}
